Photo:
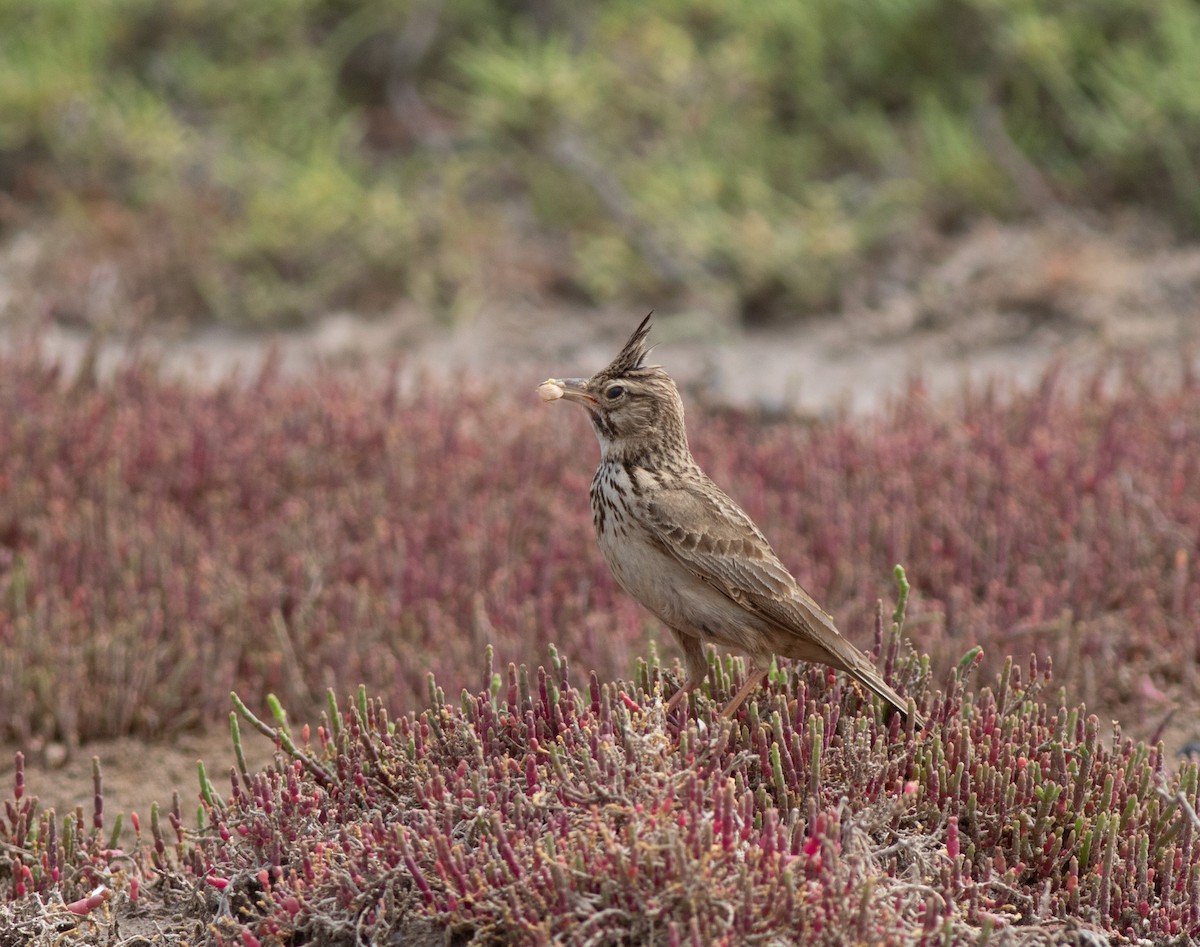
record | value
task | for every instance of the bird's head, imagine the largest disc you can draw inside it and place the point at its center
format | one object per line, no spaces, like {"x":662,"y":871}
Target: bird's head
{"x":635,"y":408}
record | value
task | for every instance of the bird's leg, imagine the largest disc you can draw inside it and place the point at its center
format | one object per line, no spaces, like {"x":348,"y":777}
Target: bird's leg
{"x":755,"y":678}
{"x":687,"y":688}
{"x":695,"y":661}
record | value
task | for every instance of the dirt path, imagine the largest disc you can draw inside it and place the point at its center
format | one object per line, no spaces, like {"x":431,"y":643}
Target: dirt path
{"x":997,"y":301}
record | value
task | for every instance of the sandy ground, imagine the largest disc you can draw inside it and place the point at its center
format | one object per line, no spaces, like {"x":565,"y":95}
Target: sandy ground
{"x":134,"y":773}
{"x":1000,"y":301}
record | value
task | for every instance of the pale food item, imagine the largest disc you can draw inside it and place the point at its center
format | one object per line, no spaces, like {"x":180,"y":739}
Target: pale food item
{"x":550,"y":390}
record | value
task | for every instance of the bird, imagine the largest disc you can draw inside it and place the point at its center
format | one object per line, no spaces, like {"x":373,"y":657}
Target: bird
{"x":677,"y":544}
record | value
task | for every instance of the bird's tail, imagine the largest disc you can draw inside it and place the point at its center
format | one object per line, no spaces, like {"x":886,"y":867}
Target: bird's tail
{"x":821,"y":641}
{"x":872,"y":680}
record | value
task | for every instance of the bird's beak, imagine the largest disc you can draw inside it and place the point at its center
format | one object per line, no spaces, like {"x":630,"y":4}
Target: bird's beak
{"x":573,"y":389}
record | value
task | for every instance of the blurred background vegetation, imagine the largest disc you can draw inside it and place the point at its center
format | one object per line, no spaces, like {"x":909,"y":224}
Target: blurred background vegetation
{"x":262,"y":163}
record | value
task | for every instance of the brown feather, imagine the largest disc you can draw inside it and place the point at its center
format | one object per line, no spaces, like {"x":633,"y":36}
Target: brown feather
{"x":685,"y":550}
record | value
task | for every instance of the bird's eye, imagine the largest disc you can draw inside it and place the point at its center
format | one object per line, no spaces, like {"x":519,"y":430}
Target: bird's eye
{"x":614,"y":392}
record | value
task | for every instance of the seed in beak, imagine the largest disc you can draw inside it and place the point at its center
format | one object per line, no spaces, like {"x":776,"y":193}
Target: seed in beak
{"x":550,"y":390}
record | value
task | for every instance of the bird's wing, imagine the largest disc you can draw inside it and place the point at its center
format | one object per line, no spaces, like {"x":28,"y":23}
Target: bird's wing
{"x":714,"y":538}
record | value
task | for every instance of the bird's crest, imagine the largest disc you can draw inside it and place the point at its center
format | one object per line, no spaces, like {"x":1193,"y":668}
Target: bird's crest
{"x":635,"y":351}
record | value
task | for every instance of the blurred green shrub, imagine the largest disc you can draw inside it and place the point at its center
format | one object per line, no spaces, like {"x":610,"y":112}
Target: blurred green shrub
{"x":342,"y":152}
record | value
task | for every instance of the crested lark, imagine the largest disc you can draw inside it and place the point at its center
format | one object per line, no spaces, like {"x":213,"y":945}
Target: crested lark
{"x":681,"y":547}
